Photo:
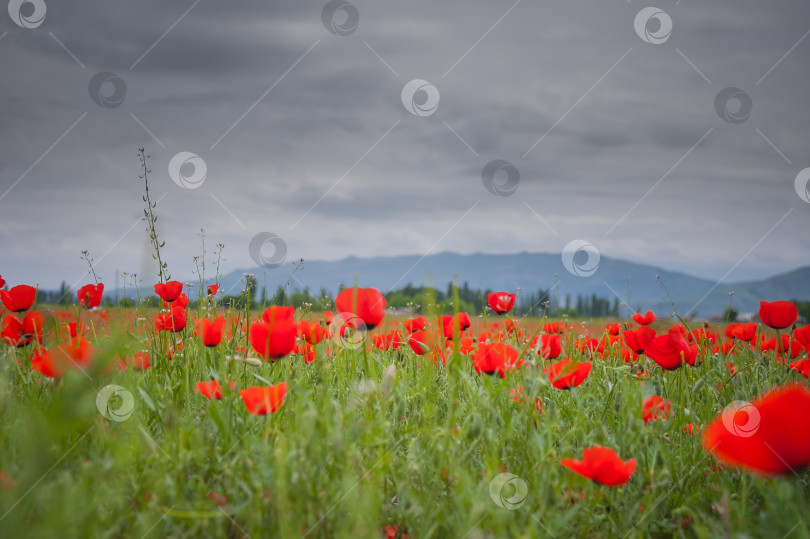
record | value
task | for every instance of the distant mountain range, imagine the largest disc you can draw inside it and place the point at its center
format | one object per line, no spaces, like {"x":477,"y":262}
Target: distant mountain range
{"x":638,"y":286}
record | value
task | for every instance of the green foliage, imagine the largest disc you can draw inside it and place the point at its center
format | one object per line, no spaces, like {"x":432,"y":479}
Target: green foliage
{"x":359,"y":444}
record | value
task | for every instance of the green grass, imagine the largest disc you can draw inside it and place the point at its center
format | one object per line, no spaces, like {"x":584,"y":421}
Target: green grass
{"x":344,"y":458}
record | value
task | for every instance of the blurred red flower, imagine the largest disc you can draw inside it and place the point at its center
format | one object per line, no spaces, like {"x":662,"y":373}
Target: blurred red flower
{"x":211,"y":390}
{"x":802,"y":367}
{"x":501,"y":302}
{"x":272,"y":341}
{"x":279,"y":312}
{"x":415,"y":324}
{"x":770,"y":436}
{"x":603,"y":466}
{"x":90,"y":295}
{"x":670,"y":350}
{"x":462,"y":322}
{"x":778,"y":314}
{"x":174,"y":321}
{"x":19,"y":333}
{"x":65,"y":356}
{"x":262,"y":400}
{"x":210,"y":331}
{"x":565,"y":374}
{"x":496,"y":358}
{"x":744,"y":332}
{"x":367,"y":303}
{"x":550,"y":346}
{"x":169,"y":291}
{"x":20,"y":298}
{"x":638,"y":340}
{"x":644,"y":319}
{"x":312,"y":333}
{"x":803,"y":335}
{"x":655,"y":407}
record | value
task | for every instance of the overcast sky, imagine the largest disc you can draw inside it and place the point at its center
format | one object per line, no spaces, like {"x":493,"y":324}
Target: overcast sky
{"x":298,"y":116}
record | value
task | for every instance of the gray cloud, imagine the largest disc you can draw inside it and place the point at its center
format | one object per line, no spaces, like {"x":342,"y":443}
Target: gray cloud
{"x":609,"y":133}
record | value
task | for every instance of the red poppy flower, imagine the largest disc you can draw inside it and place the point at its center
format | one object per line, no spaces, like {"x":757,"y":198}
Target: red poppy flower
{"x":2,"y":282}
{"x":603,"y":466}
{"x":389,"y":341}
{"x":174,"y":321}
{"x":263,"y":400}
{"x":778,"y":314}
{"x":211,"y":390}
{"x":669,"y":350}
{"x":802,"y":367}
{"x":312,"y":333}
{"x":565,"y":374}
{"x":613,"y":329}
{"x":20,"y":298}
{"x":422,"y":342}
{"x":655,"y":407}
{"x":689,"y":428}
{"x":279,"y":312}
{"x":770,"y":436}
{"x":17,"y":333}
{"x":415,"y":324}
{"x":213,"y":289}
{"x":169,"y":291}
{"x":644,"y":319}
{"x":466,"y":345}
{"x":553,"y":327}
{"x":744,"y":332}
{"x":702,"y":335}
{"x":12,"y":333}
{"x":639,"y":339}
{"x":328,"y":316}
{"x":367,"y":303}
{"x":273,"y":341}
{"x":501,"y":302}
{"x":803,"y":335}
{"x":210,"y":331}
{"x":180,"y":303}
{"x":462,"y":322}
{"x":90,"y":295}
{"x":496,"y":358}
{"x":65,"y":356}
{"x":550,"y":346}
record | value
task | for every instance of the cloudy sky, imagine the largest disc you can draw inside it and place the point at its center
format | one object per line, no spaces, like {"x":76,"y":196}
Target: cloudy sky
{"x":618,"y":126}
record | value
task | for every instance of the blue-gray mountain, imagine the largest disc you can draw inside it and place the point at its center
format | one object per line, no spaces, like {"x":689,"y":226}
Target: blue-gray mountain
{"x":638,"y":286}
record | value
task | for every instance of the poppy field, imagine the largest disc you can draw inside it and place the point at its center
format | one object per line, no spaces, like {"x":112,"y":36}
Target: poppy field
{"x":191,"y":421}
